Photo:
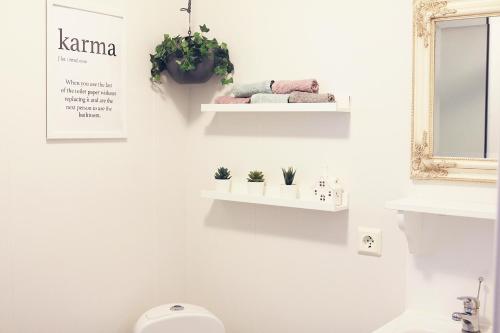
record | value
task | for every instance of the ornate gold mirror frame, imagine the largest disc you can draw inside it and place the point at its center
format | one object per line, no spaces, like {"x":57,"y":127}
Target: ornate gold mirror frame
{"x":425,"y":166}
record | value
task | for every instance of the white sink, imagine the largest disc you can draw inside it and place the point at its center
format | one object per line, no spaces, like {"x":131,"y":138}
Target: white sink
{"x":413,"y":321}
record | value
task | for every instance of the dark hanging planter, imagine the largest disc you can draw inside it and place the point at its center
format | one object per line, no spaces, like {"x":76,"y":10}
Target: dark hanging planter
{"x":202,"y":73}
{"x":193,"y":58}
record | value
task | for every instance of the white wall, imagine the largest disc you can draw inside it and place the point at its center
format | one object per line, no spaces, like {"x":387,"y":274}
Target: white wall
{"x":91,"y":231}
{"x":458,"y":251}
{"x":265,"y":269}
{"x":494,"y":99}
{"x":496,"y":301}
{"x":462,"y":250}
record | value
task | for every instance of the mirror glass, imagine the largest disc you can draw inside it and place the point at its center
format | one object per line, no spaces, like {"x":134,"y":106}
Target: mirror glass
{"x":466,"y":79}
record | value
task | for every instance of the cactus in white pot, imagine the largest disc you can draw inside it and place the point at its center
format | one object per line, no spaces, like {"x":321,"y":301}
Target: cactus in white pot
{"x":289,"y":189}
{"x":223,"y":180}
{"x":256,"y":183}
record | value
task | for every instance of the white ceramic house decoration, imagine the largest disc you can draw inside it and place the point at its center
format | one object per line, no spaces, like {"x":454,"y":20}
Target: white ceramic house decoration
{"x":338,"y":193}
{"x":323,"y":191}
{"x":326,"y":191}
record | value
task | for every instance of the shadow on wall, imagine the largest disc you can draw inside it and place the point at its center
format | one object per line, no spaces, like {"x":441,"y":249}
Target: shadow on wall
{"x":82,"y":141}
{"x":179,"y":94}
{"x":449,"y":240}
{"x":204,"y":94}
{"x":275,"y":124}
{"x":301,"y":224}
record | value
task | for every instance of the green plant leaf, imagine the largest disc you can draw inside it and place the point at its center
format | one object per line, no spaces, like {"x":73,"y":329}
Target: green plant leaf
{"x":220,"y":70}
{"x":187,"y":65}
{"x":203,"y":50}
{"x":203,"y":28}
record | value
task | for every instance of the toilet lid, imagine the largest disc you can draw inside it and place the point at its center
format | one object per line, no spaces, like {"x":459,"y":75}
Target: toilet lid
{"x":179,"y":318}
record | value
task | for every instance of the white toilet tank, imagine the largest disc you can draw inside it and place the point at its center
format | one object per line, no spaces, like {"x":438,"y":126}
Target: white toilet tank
{"x":179,"y":318}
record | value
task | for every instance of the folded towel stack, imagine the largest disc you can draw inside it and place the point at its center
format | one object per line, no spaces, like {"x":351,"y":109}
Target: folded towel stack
{"x":295,"y":91}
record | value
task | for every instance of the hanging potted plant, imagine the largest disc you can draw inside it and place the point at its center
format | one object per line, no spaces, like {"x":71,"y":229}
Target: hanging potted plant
{"x":256,"y":183}
{"x":193,"y":58}
{"x":289,"y":189}
{"x":223,"y":180}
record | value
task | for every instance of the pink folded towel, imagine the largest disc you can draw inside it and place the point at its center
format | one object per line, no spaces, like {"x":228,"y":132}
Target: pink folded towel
{"x":231,"y":100}
{"x":286,"y":87}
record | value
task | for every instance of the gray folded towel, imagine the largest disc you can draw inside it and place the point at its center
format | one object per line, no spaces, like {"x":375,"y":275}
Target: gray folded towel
{"x":304,"y":97}
{"x":269,"y":98}
{"x":247,"y":90}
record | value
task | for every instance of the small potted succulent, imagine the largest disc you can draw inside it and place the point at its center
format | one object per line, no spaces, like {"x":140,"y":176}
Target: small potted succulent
{"x":256,"y":183}
{"x":289,"y":189}
{"x":223,"y":180}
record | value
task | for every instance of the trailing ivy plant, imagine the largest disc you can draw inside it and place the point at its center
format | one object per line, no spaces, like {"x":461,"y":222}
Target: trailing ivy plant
{"x":189,"y":51}
{"x":223,"y":173}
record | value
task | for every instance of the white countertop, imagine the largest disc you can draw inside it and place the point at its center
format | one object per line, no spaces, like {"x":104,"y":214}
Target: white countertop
{"x":412,"y":321}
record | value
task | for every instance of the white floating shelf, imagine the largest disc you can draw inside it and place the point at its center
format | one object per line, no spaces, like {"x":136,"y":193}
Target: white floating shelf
{"x":450,"y":208}
{"x":271,"y":201}
{"x":411,"y":217}
{"x":275,"y":107}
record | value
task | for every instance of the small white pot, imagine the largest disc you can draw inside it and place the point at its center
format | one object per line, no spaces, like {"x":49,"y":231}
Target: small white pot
{"x":223,"y":185}
{"x":289,"y":191}
{"x":255,"y":188}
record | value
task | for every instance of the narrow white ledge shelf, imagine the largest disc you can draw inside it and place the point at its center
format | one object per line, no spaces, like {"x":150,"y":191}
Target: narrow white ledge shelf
{"x":271,"y":201}
{"x":411,"y":213}
{"x":275,"y":107}
{"x":449,"y":208}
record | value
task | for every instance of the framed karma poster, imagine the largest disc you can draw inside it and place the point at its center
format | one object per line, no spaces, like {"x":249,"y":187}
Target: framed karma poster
{"x":85,"y":72}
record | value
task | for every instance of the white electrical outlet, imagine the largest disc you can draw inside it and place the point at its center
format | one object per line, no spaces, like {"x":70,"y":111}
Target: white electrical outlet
{"x":369,"y":241}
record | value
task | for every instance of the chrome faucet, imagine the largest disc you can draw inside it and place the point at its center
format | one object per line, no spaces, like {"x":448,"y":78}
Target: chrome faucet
{"x":470,"y":316}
